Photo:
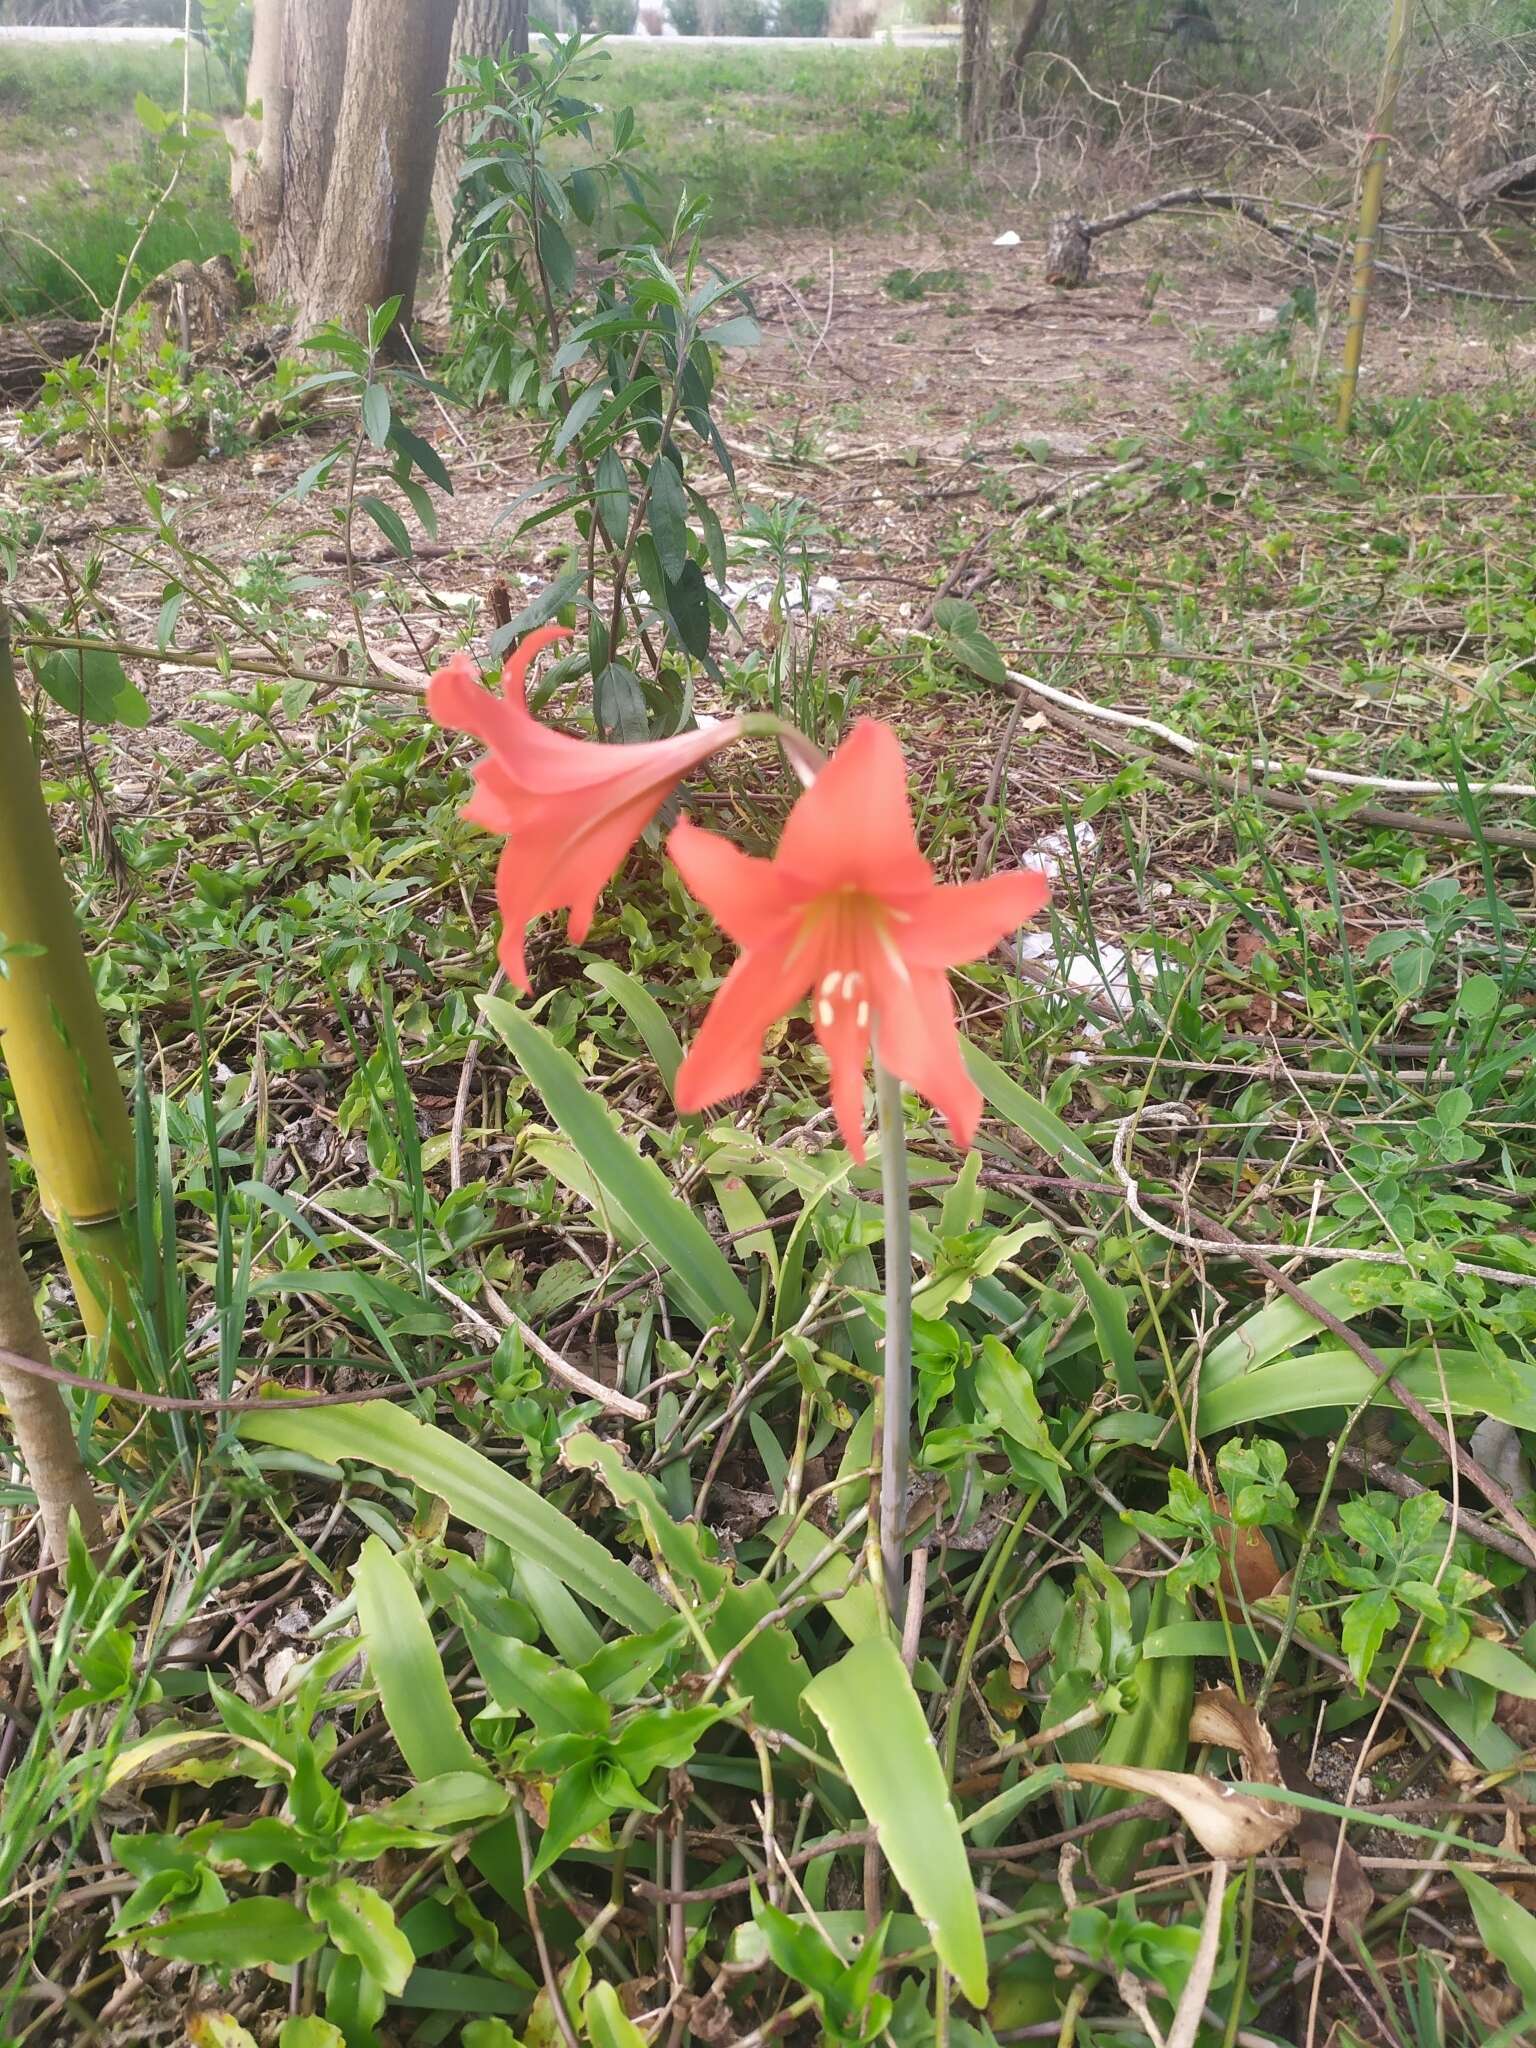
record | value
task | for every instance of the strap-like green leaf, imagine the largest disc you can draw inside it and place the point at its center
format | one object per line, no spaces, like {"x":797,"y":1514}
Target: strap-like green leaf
{"x":475,"y":1490}
{"x":402,"y":1656}
{"x":638,"y":1186}
{"x":876,"y":1726}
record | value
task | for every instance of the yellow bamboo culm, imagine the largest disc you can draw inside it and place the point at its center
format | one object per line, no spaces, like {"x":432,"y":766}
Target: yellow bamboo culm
{"x":1373,"y":188}
{"x":53,"y":1045}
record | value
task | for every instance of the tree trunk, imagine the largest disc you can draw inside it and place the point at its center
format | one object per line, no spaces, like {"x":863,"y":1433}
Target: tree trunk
{"x":369,"y":247}
{"x":1029,"y":34}
{"x":975,"y":38}
{"x":257,"y":139}
{"x":314,"y":68}
{"x":28,"y":353}
{"x":483,"y":28}
{"x":39,"y":1421}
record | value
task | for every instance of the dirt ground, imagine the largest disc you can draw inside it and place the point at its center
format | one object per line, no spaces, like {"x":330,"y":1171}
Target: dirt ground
{"x":916,"y":427}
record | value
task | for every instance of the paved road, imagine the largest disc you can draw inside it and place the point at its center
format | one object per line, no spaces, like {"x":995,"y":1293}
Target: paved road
{"x":905,"y":38}
{"x":90,"y":35}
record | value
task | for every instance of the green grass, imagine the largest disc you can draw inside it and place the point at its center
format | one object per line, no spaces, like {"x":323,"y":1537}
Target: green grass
{"x":78,"y":174}
{"x":794,"y":138}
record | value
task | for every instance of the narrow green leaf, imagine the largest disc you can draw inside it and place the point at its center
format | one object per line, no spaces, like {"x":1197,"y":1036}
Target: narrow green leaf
{"x":407,"y":1669}
{"x":645,"y":1013}
{"x":584,"y":407}
{"x":1338,"y":1379}
{"x":1106,"y":1305}
{"x":376,"y":415}
{"x":388,"y":521}
{"x":475,"y":1490}
{"x":877,"y":1729}
{"x":613,"y":498}
{"x":1508,"y":1931}
{"x":679,"y":1239}
{"x":669,"y":517}
{"x":1042,"y":1126}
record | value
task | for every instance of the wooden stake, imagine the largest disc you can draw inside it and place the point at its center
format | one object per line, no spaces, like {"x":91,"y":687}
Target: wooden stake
{"x":1368,"y":222}
{"x":53,"y":1042}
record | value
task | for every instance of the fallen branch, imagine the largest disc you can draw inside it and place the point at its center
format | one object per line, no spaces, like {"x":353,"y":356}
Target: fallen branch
{"x":1069,"y":246}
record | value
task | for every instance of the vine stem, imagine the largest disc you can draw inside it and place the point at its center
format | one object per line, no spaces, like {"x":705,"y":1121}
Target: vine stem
{"x":896,"y":1418}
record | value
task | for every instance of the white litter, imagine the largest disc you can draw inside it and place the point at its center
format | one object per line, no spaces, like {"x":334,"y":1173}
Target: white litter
{"x":825,"y":595}
{"x":1007,"y":240}
{"x":1052,"y":854}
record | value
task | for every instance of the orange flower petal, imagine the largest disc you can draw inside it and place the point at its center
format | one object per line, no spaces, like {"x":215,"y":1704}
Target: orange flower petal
{"x":919,"y":1042}
{"x":746,"y":897}
{"x":570,"y":809}
{"x":727,"y":1055}
{"x":852,"y":828}
{"x":955,"y":922}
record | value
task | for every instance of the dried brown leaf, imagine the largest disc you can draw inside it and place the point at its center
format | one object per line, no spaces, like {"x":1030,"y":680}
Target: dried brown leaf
{"x":1227,"y":1823}
{"x":1220,"y":1718}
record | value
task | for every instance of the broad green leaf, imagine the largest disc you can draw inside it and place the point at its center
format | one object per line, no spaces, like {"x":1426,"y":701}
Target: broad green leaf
{"x":462,"y":1991}
{"x":218,"y":2030}
{"x":1043,"y":1128}
{"x":668,"y":514}
{"x":645,"y":1013}
{"x":741,"y":332}
{"x":240,"y":1936}
{"x":446,"y":1802}
{"x":880,"y":1737}
{"x":958,"y":619}
{"x":363,"y":1925}
{"x":403,"y":1659}
{"x":619,"y":705}
{"x":308,"y":2032}
{"x":1338,"y":1379}
{"x":1497,"y":1665}
{"x":522,"y":1679}
{"x":92,"y":683}
{"x":679,"y":1241}
{"x":475,"y":1490}
{"x":608,"y":2024}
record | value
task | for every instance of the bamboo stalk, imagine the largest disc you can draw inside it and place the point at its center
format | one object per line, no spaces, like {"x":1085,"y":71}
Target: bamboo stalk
{"x":38,"y":1417}
{"x":53,"y":1041}
{"x":1368,"y":222}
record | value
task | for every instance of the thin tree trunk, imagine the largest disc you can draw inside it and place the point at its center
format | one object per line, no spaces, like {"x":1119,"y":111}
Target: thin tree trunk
{"x":1029,"y":34}
{"x":369,"y":247}
{"x":257,"y":139}
{"x":483,"y":28}
{"x":1368,"y":222}
{"x":39,"y":1421}
{"x":975,"y":35}
{"x":314,"y":70}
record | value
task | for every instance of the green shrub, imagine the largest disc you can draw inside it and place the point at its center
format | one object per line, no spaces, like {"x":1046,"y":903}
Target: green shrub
{"x":744,"y":18}
{"x":685,"y":16}
{"x":803,"y":17}
{"x":613,"y":17}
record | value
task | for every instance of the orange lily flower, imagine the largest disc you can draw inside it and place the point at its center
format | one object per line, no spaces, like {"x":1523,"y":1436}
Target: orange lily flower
{"x":570,"y":809}
{"x":847,"y":912}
